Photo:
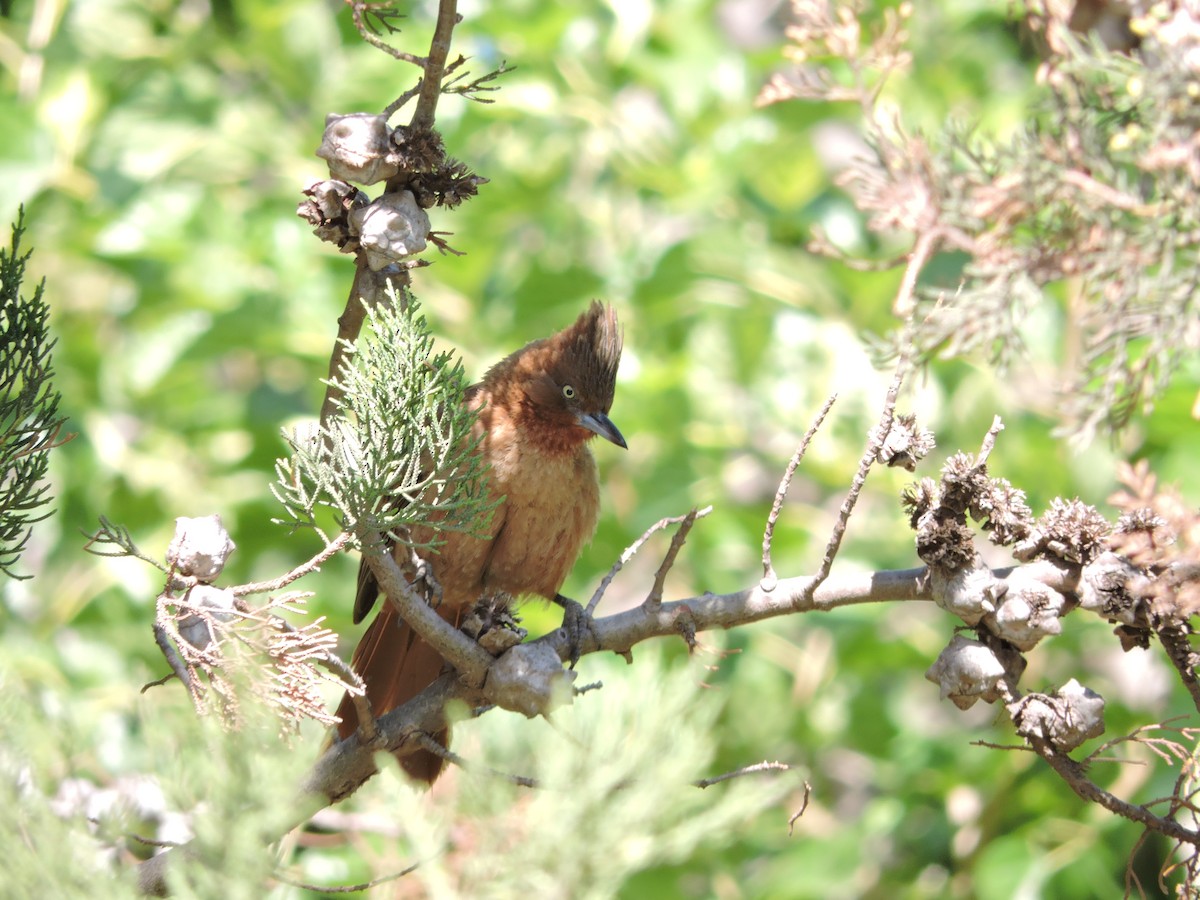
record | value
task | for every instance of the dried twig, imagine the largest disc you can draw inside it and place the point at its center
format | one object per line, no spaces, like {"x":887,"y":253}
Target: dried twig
{"x":347,"y":888}
{"x":632,"y":550}
{"x":654,"y":598}
{"x":770,"y":579}
{"x":989,"y":442}
{"x":360,"y":11}
{"x":435,"y":65}
{"x":440,"y":750}
{"x":313,"y":565}
{"x":870,"y":454}
{"x":803,"y":808}
{"x":763,"y":766}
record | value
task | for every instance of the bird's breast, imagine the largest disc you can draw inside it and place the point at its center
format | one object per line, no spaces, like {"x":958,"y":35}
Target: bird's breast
{"x":551,"y":505}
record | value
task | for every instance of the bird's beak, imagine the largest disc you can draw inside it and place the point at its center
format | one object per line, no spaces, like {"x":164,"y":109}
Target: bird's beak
{"x":602,"y":425}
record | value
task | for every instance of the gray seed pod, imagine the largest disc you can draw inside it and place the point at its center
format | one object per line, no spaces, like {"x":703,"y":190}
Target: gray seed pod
{"x":356,"y":147}
{"x":1066,"y":718}
{"x":391,"y":228}
{"x":1104,"y":589}
{"x":200,"y":547}
{"x":197,"y":629}
{"x":967,"y":593}
{"x":966,"y":672}
{"x":1028,"y":612}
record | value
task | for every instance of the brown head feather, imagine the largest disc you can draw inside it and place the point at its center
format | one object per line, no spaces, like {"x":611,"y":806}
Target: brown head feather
{"x":547,"y":385}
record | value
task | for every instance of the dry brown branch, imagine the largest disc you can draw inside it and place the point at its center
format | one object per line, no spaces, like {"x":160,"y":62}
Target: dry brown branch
{"x":870,"y":455}
{"x":654,"y":598}
{"x":435,"y":65}
{"x":313,"y":565}
{"x":803,"y":807}
{"x":632,"y":550}
{"x":348,"y":764}
{"x":769,"y":577}
{"x":755,"y":768}
{"x":470,"y":659}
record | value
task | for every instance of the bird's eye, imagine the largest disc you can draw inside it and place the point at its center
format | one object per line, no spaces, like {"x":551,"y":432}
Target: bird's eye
{"x":568,"y":392}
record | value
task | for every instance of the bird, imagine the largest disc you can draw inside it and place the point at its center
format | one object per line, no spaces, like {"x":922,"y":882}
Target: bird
{"x":537,"y":411}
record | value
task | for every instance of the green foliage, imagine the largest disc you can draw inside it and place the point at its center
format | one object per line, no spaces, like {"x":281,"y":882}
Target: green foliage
{"x":83,"y":803}
{"x":29,"y":419}
{"x":399,"y":455}
{"x":615,"y":796}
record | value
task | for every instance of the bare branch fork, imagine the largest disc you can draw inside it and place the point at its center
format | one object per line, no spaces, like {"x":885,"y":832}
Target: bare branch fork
{"x":769,"y":578}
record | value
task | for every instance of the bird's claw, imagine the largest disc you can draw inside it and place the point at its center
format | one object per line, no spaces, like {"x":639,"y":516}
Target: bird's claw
{"x":576,"y":620}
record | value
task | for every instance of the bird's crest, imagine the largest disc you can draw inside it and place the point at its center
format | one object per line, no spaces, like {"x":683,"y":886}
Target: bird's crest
{"x":591,"y":348}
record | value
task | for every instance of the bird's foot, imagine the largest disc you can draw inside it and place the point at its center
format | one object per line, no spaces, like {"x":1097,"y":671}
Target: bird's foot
{"x":492,"y":623}
{"x":576,"y":621}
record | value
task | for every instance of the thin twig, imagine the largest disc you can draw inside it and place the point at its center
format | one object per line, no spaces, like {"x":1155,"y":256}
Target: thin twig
{"x":763,"y":766}
{"x":870,"y":454}
{"x":313,"y":565}
{"x":803,"y":807}
{"x":348,"y":888}
{"x":157,"y":682}
{"x":175,"y":661}
{"x":151,"y":842}
{"x":923,"y":249}
{"x":367,"y":32}
{"x":396,"y":105}
{"x":989,"y":441}
{"x":435,"y":65}
{"x":770,"y":579}
{"x":632,"y":550}
{"x":654,"y":598}
{"x":437,"y":749}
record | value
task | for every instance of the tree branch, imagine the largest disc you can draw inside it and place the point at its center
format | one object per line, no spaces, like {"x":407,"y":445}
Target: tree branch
{"x":769,"y":578}
{"x":350,"y":763}
{"x":265,"y":587}
{"x":368,"y":289}
{"x":470,"y":659}
{"x":435,"y":66}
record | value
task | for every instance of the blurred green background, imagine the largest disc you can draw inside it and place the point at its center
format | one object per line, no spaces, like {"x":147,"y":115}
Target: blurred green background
{"x":159,"y":148}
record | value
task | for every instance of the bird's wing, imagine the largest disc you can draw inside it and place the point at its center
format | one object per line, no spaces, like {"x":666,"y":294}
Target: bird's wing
{"x":367,"y":591}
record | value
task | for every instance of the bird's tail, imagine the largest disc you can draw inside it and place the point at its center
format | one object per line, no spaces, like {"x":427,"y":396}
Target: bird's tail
{"x":396,"y":665}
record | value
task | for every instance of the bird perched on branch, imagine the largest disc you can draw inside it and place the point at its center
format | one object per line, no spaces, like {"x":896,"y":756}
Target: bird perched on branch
{"x":537,"y":410}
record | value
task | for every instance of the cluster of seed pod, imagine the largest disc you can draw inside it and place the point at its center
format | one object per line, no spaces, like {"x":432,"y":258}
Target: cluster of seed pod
{"x":362,"y":149}
{"x":1068,"y":565}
